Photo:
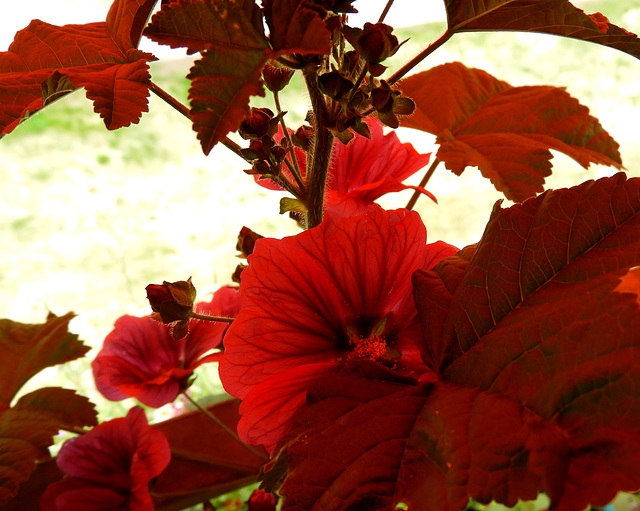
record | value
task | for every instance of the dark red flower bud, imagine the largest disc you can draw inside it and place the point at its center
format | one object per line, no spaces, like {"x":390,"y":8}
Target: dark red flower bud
{"x":172,"y":301}
{"x":236,"y":276}
{"x":382,"y":97}
{"x":246,"y":241}
{"x":302,"y":137}
{"x":259,"y":168}
{"x":374,"y":43}
{"x":334,"y":85}
{"x":257,"y":124}
{"x":260,"y":500}
{"x":276,"y":78}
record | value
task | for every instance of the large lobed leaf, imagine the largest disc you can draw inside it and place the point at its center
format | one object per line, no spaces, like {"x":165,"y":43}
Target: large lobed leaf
{"x":535,"y":336}
{"x":230,"y":35}
{"x":558,"y":17}
{"x":505,"y":131}
{"x":296,"y":28}
{"x":27,"y":349}
{"x":27,"y":428}
{"x":45,"y":62}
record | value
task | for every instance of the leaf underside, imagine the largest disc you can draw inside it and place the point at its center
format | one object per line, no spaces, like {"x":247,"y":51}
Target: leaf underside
{"x":45,"y":62}
{"x":556,"y":17}
{"x":507,"y":132}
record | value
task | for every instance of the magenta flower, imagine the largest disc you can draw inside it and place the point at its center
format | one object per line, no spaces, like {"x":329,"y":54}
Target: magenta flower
{"x":311,"y":302}
{"x":109,"y":468}
{"x":141,"y":359}
{"x":364,"y":170}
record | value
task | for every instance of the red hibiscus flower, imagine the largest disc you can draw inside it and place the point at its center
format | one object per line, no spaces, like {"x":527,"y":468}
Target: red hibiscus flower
{"x":109,"y":468}
{"x":337,"y":292}
{"x":364,"y":170}
{"x":141,"y":359}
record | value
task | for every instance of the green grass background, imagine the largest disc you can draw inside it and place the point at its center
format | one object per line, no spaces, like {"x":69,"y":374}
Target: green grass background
{"x":89,"y":217}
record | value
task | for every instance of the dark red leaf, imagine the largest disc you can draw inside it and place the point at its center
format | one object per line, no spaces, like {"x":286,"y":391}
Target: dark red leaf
{"x":345,"y":452}
{"x":203,"y":466}
{"x":296,"y":28}
{"x":536,"y":336}
{"x":26,"y":349}
{"x":558,"y":17}
{"x":504,"y":131}
{"x":28,"y":428}
{"x":222,"y":84}
{"x":199,"y":25}
{"x":45,"y":61}
{"x":231,"y":37}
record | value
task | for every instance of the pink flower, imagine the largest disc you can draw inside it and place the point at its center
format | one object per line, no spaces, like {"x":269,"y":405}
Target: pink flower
{"x":109,"y":468}
{"x":141,"y":359}
{"x":364,"y":170}
{"x":311,"y":302}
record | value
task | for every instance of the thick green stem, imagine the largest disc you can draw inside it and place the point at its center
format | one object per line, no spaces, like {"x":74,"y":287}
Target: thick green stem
{"x":423,"y":183}
{"x":318,"y":162}
{"x":420,"y":57}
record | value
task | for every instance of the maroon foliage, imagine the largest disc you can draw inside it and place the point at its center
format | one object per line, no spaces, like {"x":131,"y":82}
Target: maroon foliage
{"x":507,"y":132}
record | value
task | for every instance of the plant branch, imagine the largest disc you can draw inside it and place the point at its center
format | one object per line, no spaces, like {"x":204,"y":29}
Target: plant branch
{"x":221,"y":319}
{"x":318,"y":161}
{"x":423,"y":183}
{"x":223,"y":426}
{"x":184,"y":110}
{"x":385,"y":11}
{"x":295,"y":171}
{"x":420,"y":57}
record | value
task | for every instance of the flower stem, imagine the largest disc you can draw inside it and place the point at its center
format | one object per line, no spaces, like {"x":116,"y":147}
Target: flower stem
{"x":318,"y":162}
{"x":223,"y":426}
{"x":184,"y":110}
{"x":423,"y":183}
{"x":211,"y":318}
{"x":385,"y":11}
{"x":420,"y":57}
{"x":295,"y":171}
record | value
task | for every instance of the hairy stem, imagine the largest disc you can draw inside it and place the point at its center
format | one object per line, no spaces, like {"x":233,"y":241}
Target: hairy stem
{"x":423,"y":183}
{"x":221,"y":319}
{"x":224,"y":427}
{"x":420,"y":57}
{"x":318,"y":161}
{"x":184,"y":110}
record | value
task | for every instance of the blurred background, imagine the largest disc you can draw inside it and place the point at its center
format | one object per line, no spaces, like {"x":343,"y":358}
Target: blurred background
{"x":89,"y":217}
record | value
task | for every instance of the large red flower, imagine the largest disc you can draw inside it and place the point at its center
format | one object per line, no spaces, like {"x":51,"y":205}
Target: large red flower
{"x":310,"y":302}
{"x":141,"y":359}
{"x":364,"y":170}
{"x":109,"y":468}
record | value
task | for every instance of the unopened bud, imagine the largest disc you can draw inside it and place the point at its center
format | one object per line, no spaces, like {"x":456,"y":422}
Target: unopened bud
{"x":276,"y":78}
{"x":257,"y":124}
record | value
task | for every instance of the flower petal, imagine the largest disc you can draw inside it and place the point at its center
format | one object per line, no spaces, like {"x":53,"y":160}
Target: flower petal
{"x":301,"y":293}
